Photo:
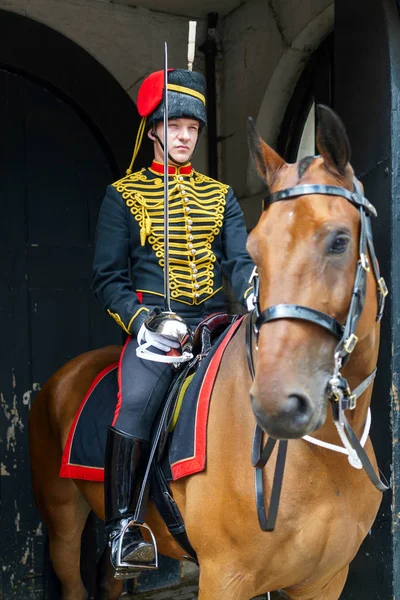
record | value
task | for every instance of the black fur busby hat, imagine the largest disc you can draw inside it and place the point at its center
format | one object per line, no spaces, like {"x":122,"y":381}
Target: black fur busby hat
{"x":186,"y":96}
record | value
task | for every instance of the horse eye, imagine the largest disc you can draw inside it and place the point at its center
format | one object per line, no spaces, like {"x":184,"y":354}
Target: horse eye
{"x":339,"y":244}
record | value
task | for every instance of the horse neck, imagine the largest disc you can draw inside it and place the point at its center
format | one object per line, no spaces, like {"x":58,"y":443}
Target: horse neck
{"x":234,"y":361}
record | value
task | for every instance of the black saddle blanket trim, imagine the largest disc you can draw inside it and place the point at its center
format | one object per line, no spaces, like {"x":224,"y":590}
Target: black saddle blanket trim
{"x":188,"y":445}
{"x":83,"y":456}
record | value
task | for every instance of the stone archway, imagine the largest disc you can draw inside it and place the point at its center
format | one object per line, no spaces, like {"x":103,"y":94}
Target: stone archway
{"x":284,"y":79}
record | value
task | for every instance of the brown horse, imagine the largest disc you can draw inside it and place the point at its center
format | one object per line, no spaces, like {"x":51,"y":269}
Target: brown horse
{"x":306,"y":250}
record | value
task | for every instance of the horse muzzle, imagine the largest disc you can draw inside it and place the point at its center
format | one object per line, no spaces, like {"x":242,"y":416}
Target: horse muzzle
{"x":292,"y":416}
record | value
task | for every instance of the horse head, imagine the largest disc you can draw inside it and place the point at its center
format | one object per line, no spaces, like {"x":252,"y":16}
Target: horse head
{"x":317,"y":299}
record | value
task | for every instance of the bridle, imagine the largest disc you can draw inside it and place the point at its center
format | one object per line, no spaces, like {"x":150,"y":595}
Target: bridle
{"x":338,"y":391}
{"x":347,"y":338}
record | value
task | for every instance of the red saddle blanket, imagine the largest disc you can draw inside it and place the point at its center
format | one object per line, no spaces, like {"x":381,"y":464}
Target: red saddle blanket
{"x":83,"y":456}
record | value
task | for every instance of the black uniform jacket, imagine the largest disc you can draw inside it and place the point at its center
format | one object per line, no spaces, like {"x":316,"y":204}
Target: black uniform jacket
{"x":207,"y":235}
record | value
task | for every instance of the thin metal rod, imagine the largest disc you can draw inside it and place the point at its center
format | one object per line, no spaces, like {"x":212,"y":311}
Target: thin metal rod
{"x":167,"y":300}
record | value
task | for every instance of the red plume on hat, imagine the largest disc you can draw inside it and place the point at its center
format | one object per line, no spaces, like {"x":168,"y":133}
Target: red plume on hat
{"x":151,"y":92}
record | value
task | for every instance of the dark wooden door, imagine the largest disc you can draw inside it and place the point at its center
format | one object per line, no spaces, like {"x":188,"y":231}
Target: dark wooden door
{"x":53,"y":174}
{"x":367,"y":52}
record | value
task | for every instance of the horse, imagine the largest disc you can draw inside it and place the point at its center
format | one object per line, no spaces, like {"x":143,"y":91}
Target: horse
{"x":306,"y":251}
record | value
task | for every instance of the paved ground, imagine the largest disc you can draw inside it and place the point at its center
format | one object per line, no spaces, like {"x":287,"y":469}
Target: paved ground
{"x":185,"y":593}
{"x":188,"y":590}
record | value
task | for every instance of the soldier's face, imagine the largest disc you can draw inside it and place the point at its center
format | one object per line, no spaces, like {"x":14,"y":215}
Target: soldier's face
{"x":182,"y":139}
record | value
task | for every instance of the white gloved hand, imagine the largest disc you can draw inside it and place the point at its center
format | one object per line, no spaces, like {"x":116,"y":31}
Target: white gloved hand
{"x":250,"y":302}
{"x":156,"y":340}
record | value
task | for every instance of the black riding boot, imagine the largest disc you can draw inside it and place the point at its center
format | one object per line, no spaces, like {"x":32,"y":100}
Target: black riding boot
{"x":125,"y":464}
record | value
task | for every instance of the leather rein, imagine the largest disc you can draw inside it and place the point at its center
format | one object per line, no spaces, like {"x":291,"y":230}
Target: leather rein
{"x":338,"y":391}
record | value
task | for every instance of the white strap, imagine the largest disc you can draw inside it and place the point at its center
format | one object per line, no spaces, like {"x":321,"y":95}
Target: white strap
{"x":347,"y":449}
{"x":143,"y":352}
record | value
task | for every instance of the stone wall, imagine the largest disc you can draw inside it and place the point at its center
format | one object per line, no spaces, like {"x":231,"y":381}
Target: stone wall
{"x":265,"y":45}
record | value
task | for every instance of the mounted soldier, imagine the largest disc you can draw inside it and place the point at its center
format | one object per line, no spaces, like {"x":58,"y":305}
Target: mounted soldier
{"x":206,"y":237}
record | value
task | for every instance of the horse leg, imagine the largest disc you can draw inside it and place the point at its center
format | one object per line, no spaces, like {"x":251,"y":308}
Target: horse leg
{"x":330,"y":590}
{"x":108,"y":588}
{"x":65,"y":523}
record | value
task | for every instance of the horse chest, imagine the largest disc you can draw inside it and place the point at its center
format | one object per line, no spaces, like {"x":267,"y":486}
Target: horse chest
{"x":323,"y":519}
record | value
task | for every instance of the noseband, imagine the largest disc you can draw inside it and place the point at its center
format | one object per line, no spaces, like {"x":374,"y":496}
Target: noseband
{"x":338,"y":391}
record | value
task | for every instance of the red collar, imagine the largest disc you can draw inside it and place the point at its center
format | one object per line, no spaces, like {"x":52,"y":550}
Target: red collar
{"x":159,"y":168}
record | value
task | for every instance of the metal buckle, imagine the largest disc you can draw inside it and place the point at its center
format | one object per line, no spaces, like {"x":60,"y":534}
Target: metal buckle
{"x":383,"y":287}
{"x":364,"y":262}
{"x":256,"y":332}
{"x":350,"y":343}
{"x":338,"y":364}
{"x":254,"y":274}
{"x":352,"y":401}
{"x":336,"y":391}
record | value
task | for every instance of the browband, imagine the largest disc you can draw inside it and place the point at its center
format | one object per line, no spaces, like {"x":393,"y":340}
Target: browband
{"x":331,"y":190}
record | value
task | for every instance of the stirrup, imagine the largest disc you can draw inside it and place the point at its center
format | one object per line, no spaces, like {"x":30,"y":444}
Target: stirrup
{"x":123,"y":567}
{"x":125,"y":574}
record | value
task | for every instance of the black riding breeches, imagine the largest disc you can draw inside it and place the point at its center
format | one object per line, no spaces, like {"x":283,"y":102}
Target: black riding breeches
{"x":142,"y":387}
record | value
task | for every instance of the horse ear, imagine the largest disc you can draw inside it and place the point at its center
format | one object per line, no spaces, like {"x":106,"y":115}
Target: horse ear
{"x":265,"y":159}
{"x":332,"y":141}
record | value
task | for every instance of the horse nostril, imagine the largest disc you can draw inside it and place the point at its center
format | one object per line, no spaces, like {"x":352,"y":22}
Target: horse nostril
{"x":290,"y":417}
{"x":297,"y":409}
